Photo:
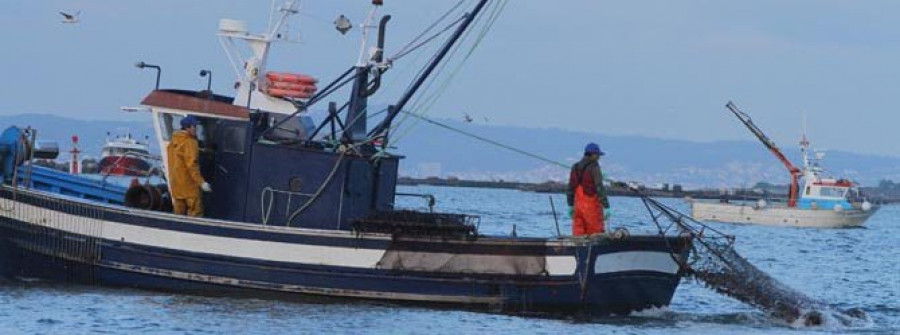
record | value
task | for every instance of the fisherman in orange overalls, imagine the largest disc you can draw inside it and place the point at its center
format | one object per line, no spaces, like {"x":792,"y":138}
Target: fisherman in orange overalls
{"x":588,"y":204}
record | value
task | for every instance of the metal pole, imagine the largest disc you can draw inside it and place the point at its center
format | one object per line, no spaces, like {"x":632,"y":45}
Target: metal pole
{"x":553,"y":207}
{"x":31,"y":158}
{"x":386,"y":123}
{"x":204,"y":73}
{"x":142,"y":65}
{"x":158,"y":72}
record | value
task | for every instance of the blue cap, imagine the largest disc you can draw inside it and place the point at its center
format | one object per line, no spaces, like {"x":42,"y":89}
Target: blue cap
{"x":188,"y":121}
{"x":593,"y":148}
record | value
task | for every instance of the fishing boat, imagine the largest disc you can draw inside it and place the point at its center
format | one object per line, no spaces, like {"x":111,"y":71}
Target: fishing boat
{"x":308,"y":210}
{"x":123,"y":155}
{"x":823,"y":202}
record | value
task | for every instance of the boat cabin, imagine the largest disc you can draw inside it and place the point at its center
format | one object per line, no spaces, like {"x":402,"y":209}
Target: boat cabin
{"x":828,"y":194}
{"x":277,"y":176}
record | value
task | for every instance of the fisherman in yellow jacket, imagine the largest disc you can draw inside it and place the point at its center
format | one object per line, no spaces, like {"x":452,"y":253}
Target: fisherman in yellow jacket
{"x":184,"y":172}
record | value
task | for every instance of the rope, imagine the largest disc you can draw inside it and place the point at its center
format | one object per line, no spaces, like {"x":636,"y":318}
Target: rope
{"x":402,"y":53}
{"x":264,"y":212}
{"x":489,"y":141}
{"x":418,"y":100}
{"x":426,"y":99}
{"x":404,"y":50}
{"x":328,"y":179}
{"x":430,"y":101}
{"x":318,"y":193}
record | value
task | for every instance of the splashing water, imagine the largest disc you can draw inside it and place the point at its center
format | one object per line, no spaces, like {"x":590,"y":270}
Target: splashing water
{"x":722,"y":269}
{"x":715,"y":262}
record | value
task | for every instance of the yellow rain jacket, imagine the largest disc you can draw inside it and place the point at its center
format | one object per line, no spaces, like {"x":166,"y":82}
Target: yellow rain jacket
{"x":184,"y":172}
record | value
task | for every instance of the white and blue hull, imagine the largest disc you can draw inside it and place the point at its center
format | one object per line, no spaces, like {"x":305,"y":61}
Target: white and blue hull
{"x":45,"y":236}
{"x":749,"y":213}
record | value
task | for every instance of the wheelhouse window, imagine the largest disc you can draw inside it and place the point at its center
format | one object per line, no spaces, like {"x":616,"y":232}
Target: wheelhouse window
{"x":234,"y":138}
{"x":833,"y":192}
{"x":169,"y":123}
{"x":166,"y":125}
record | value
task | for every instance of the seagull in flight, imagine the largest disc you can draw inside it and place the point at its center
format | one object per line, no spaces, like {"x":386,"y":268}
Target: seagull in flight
{"x":70,"y":18}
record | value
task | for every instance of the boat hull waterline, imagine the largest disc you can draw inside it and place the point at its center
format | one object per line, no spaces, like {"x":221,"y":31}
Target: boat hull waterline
{"x":779,"y":216}
{"x":44,"y":236}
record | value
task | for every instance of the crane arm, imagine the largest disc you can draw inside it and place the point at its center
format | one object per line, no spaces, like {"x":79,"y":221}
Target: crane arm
{"x":795,"y":172}
{"x":745,"y":119}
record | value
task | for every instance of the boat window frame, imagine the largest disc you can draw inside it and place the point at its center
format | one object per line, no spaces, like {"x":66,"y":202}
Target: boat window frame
{"x":833,"y":191}
{"x":231,"y":144}
{"x":169,"y":121}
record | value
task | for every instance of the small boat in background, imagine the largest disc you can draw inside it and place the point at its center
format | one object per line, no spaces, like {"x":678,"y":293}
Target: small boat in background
{"x":824,"y":202}
{"x":123,"y":155}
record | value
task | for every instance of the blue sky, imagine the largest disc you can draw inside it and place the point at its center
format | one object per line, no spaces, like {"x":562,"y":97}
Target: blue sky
{"x":652,"y":68}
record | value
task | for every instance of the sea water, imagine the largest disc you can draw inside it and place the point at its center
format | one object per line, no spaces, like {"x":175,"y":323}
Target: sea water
{"x":857,"y":267}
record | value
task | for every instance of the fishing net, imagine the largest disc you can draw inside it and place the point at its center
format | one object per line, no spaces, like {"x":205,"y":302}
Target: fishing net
{"x":717,"y":264}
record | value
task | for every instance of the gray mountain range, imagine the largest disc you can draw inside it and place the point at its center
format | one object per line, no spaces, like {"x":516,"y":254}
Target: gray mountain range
{"x":435,"y":151}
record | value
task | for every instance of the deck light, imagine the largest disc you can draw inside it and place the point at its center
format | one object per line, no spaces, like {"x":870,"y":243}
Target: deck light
{"x":203,"y":73}
{"x":141,"y":65}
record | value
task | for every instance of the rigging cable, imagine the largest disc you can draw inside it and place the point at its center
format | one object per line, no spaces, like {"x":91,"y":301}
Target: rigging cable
{"x":487,"y":140}
{"x":319,"y":191}
{"x":327,"y":181}
{"x":424,"y":100}
{"x":406,"y":50}
{"x":429,"y":101}
{"x":419,"y":99}
{"x":403,"y":51}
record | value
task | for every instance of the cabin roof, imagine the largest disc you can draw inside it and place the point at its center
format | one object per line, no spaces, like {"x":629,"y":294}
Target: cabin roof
{"x":833,"y":182}
{"x":200,"y":102}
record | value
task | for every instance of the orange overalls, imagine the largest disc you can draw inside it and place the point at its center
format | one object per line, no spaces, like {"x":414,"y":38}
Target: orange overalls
{"x":587,"y":218}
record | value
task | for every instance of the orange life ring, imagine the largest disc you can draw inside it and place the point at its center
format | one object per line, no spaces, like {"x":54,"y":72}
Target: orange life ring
{"x":291,"y":78}
{"x":282,"y":93}
{"x":292,"y":86}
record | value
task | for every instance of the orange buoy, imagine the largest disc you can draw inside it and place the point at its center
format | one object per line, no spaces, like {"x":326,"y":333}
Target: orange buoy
{"x":291,"y":78}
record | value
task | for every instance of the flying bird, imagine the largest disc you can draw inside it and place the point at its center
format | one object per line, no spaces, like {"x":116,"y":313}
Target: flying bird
{"x":70,"y":18}
{"x":467,"y":118}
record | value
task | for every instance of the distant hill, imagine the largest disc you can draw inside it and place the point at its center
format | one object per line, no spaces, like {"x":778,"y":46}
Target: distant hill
{"x":433,"y":151}
{"x":648,"y":160}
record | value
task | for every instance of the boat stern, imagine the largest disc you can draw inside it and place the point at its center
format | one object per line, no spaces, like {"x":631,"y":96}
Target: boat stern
{"x":631,"y":273}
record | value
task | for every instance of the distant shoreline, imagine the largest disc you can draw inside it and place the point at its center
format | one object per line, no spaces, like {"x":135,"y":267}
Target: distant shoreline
{"x":675,"y":192}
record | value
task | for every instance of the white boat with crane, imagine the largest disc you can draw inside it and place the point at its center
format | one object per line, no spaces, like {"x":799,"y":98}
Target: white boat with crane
{"x":823,"y":202}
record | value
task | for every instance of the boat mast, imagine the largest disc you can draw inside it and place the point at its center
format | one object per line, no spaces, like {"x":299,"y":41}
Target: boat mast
{"x":773,"y":148}
{"x":355,"y":120}
{"x":251,"y":70}
{"x":395,"y":109}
